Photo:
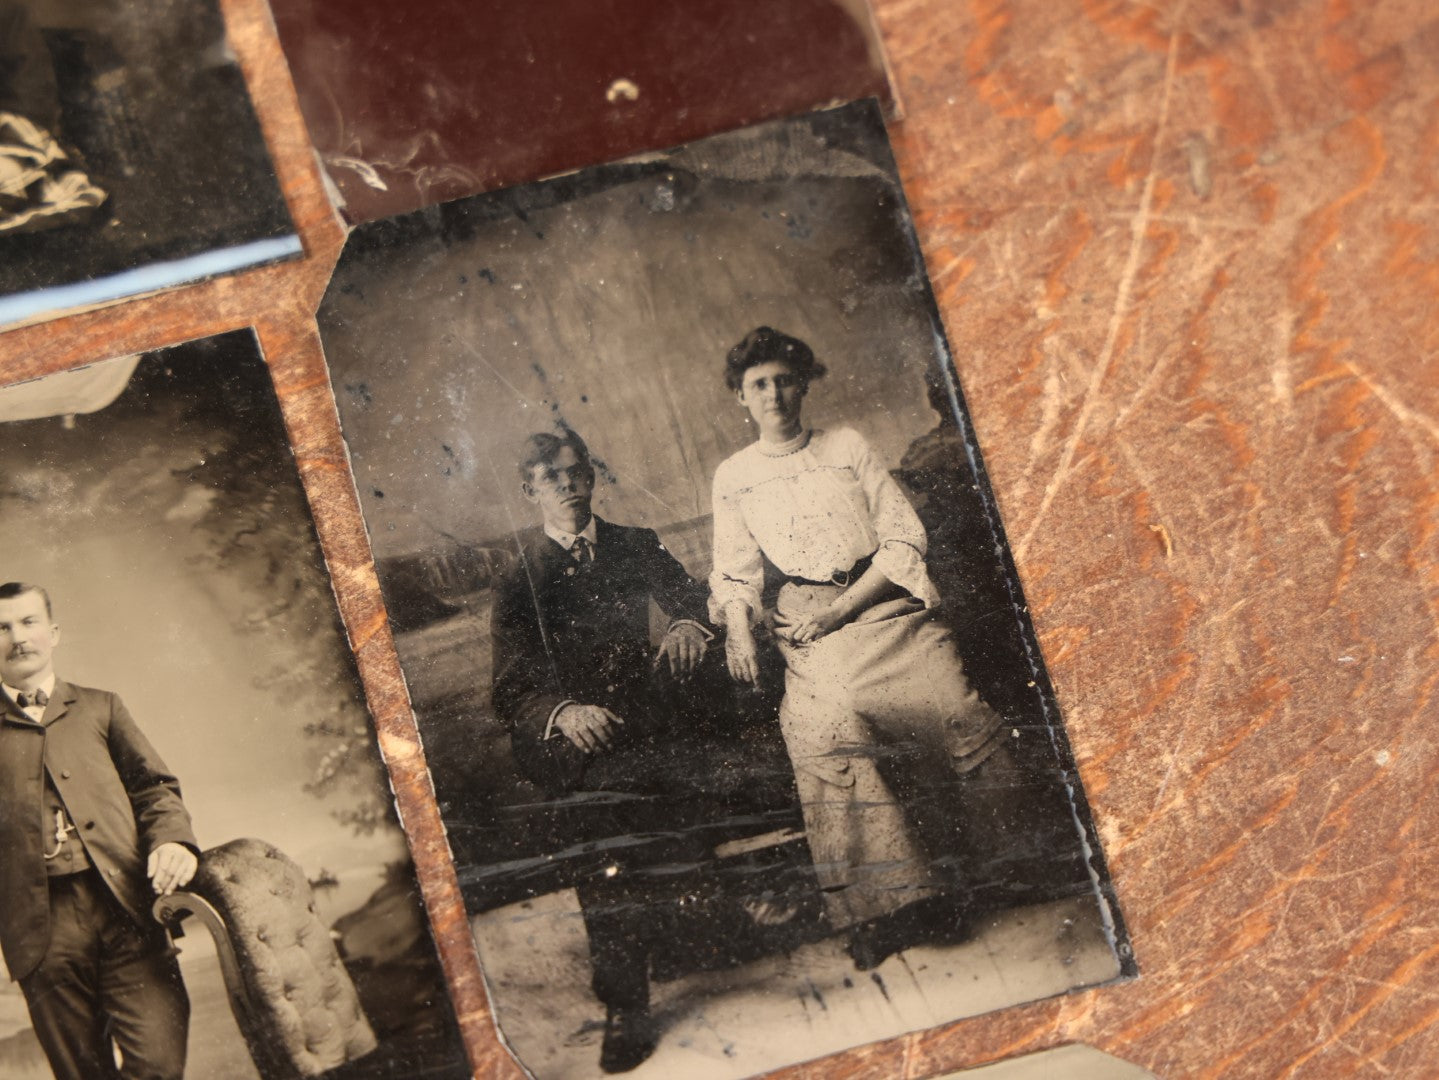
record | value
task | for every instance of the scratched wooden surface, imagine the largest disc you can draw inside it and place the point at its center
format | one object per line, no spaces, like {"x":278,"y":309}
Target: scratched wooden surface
{"x":1188,"y":255}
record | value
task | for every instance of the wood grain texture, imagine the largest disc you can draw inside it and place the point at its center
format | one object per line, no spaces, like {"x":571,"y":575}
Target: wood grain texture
{"x":1188,"y":258}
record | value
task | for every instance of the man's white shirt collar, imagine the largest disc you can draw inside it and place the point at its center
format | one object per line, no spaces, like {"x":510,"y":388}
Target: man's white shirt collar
{"x":567,"y":540}
{"x":48,"y":686}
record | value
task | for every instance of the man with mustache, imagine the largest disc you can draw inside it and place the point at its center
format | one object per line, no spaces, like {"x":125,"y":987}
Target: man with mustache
{"x":92,"y":829}
{"x":592,"y":707}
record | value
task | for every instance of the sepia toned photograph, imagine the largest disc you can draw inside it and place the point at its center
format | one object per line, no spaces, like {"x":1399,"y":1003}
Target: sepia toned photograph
{"x":734,"y":712}
{"x":130,"y":156}
{"x":203,"y":874}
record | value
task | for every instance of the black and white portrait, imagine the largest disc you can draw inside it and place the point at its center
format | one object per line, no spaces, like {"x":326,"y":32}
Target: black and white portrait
{"x":203,"y":876}
{"x":733,"y":710}
{"x":130,"y":156}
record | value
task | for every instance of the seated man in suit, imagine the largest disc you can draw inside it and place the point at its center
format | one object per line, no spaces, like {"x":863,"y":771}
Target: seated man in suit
{"x":593,"y":707}
{"x":92,"y":829}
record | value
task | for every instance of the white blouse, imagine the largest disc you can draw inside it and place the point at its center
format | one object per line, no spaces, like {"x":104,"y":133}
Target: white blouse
{"x":815,"y":506}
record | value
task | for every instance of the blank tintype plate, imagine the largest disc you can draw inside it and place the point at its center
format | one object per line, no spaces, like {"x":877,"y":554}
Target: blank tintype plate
{"x":413,"y":104}
{"x":130,"y":156}
{"x":734,"y":713}
{"x":201,"y":701}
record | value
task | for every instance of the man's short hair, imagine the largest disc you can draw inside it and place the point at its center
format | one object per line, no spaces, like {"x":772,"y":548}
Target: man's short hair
{"x":11,"y":589}
{"x":543,"y":447}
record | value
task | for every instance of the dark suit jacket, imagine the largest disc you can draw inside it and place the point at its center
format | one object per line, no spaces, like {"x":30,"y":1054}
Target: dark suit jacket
{"x":122,"y":799}
{"x":560,"y":631}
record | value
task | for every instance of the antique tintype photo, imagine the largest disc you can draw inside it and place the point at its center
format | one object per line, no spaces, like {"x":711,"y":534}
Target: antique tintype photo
{"x":202,"y":875}
{"x":733,"y":709}
{"x":130,"y":156}
{"x":389,"y":91}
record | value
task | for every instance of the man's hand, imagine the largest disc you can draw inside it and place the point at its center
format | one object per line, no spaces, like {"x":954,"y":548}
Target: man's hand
{"x":590,"y":727}
{"x":684,"y":646}
{"x":824,"y":621}
{"x":741,"y":654}
{"x":171,"y":867}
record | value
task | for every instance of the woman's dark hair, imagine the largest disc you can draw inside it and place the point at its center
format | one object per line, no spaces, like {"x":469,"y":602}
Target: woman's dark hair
{"x":764,"y":345}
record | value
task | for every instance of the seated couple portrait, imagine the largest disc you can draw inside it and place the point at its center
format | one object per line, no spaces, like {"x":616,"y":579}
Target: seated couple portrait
{"x":819,"y":617}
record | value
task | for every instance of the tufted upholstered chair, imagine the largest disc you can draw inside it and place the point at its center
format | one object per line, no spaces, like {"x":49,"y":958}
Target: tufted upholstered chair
{"x":291,"y":995}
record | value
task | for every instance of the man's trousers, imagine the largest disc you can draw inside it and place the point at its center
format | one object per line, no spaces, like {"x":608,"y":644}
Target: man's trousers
{"x":106,"y":984}
{"x":668,"y":773}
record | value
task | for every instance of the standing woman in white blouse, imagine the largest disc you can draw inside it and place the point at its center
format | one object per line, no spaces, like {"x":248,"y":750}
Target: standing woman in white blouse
{"x":866,"y":662}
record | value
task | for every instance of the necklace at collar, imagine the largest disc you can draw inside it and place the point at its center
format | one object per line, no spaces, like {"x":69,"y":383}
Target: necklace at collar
{"x":784,"y":449}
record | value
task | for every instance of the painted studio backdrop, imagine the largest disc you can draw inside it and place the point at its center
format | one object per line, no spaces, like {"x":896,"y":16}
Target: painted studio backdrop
{"x":605,"y":302}
{"x":157,"y":499}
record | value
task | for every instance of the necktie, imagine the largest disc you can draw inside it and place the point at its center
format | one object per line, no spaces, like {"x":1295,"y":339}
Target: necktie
{"x":583,"y":551}
{"x":38,"y":699}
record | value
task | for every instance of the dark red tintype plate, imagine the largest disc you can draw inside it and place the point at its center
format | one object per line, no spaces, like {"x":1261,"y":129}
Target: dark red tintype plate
{"x":414,"y":104}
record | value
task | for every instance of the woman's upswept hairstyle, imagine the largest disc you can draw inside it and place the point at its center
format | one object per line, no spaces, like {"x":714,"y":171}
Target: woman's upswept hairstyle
{"x":764,"y":345}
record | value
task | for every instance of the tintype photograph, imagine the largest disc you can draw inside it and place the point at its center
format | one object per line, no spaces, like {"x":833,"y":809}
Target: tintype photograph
{"x":389,"y":90}
{"x":130,"y":156}
{"x":732,"y":705}
{"x":203,"y":876}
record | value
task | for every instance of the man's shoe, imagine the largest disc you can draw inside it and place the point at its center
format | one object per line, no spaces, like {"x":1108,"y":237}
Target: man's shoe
{"x":630,"y":1037}
{"x":936,"y":920}
{"x":870,"y":945}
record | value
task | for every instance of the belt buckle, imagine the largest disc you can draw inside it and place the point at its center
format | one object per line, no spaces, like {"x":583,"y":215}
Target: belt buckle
{"x":841,"y":578}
